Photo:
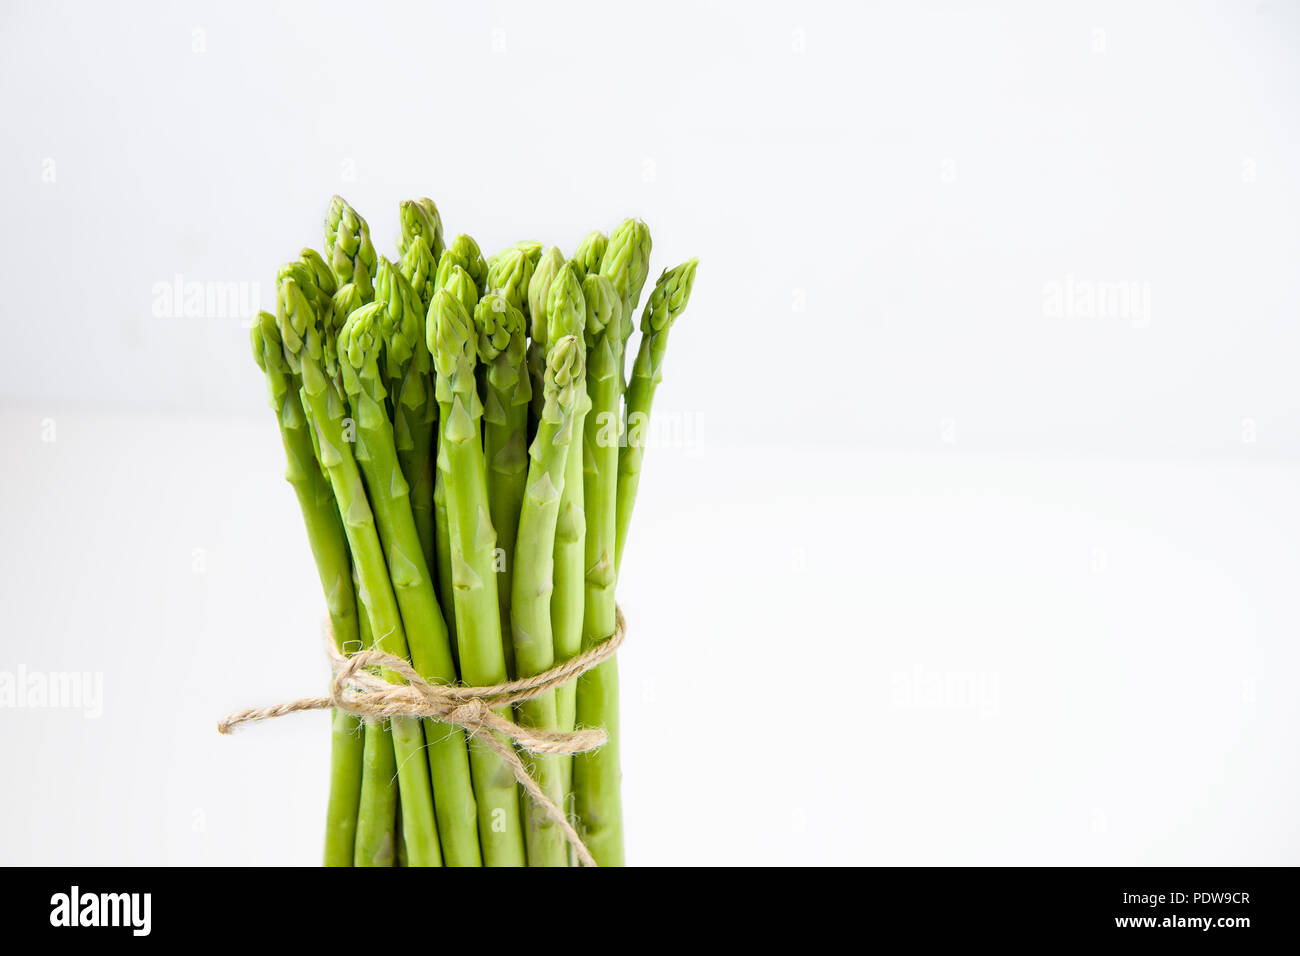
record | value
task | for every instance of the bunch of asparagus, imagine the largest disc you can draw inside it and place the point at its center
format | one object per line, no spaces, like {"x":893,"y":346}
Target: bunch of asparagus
{"x":465,"y":442}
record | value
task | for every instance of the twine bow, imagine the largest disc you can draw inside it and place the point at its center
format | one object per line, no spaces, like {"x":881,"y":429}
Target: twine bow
{"x":359,"y":691}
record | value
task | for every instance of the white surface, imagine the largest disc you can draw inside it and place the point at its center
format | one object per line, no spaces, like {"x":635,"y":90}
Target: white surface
{"x":938,"y":659}
{"x":981,"y":579}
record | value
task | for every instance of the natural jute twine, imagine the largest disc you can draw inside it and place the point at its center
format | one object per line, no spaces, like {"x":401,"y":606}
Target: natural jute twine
{"x":358,"y":691}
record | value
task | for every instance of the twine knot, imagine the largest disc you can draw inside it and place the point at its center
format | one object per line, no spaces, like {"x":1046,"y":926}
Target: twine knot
{"x":470,"y":712}
{"x":357,"y":690}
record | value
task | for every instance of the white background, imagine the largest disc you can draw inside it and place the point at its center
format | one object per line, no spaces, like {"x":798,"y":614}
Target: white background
{"x":931,"y":570}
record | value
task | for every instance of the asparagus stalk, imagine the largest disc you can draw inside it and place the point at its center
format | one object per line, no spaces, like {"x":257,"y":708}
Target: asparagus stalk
{"x":531,"y":604}
{"x":452,"y":277}
{"x":375,"y":828}
{"x":408,"y":368}
{"x":602,"y":306}
{"x":478,"y":629}
{"x":421,"y":246}
{"x":329,"y":547}
{"x":668,"y":300}
{"x":596,"y":775}
{"x":369,"y":338}
{"x":348,"y":249}
{"x":502,"y":342}
{"x":301,"y":330}
{"x":377,"y":836}
{"x":418,"y":265}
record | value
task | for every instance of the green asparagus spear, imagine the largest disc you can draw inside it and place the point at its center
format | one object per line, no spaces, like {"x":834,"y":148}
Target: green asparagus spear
{"x":348,"y":248}
{"x":667,"y":301}
{"x":531,"y":604}
{"x":368,"y":340}
{"x":329,"y":546}
{"x":478,"y":629}
{"x":596,"y":775}
{"x":502,"y":342}
{"x":375,"y":829}
{"x":408,"y":369}
{"x":453,"y":278}
{"x":419,"y":217}
{"x":602,"y":307}
{"x":377,"y":836}
{"x":301,"y":330}
{"x":419,"y":462}
{"x":632,"y":241}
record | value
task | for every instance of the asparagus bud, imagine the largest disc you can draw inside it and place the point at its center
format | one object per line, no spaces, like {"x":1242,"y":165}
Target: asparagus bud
{"x":530,"y":248}
{"x":566,"y":311}
{"x":668,"y":300}
{"x":566,"y":377}
{"x":509,"y":275}
{"x":361,"y":343}
{"x":457,"y":281}
{"x":602,"y":306}
{"x":538,"y":286}
{"x":627,"y":263}
{"x":587,"y":257}
{"x":420,"y":269}
{"x":451,"y":341}
{"x":296,"y":321}
{"x":348,"y":248}
{"x":320,"y":271}
{"x":464,"y":252}
{"x":420,"y":218}
{"x":268,"y":352}
{"x":501,"y":330}
{"x":403,"y":317}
